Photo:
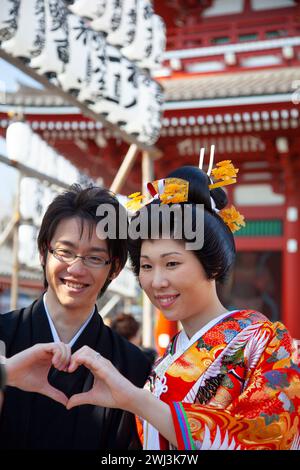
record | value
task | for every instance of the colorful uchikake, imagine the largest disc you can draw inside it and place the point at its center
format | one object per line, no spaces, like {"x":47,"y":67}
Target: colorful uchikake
{"x":176,"y":190}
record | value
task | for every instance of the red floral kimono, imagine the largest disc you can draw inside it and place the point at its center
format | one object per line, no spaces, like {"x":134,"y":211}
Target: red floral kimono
{"x":235,"y":385}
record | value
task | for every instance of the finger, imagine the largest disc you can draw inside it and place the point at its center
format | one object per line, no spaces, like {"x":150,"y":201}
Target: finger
{"x":79,"y":399}
{"x":58,"y":355}
{"x":92,"y":361}
{"x":68,"y":358}
{"x":62,"y":356}
{"x":82,"y":352}
{"x":55,"y":394}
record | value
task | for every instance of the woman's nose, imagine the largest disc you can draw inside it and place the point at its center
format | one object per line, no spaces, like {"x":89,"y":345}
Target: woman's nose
{"x":159,"y":279}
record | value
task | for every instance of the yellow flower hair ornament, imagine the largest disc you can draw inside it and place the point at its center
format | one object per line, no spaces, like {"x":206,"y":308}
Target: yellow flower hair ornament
{"x":168,"y":190}
{"x":232,"y":218}
{"x":225,"y":173}
{"x":136,"y":202}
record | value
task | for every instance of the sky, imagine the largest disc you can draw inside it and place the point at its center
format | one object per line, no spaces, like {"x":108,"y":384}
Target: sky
{"x":10,"y":76}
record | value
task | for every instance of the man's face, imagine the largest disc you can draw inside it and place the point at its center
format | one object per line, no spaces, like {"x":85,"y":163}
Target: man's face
{"x":76,"y":286}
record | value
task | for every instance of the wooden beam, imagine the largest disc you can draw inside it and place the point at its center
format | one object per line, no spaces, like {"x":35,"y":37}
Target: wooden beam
{"x":27,"y":171}
{"x":125,"y":168}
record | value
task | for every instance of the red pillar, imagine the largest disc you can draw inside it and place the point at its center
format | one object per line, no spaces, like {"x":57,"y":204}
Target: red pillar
{"x":291,"y":265}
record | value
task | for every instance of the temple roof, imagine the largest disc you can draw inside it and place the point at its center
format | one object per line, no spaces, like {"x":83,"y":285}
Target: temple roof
{"x":226,"y":85}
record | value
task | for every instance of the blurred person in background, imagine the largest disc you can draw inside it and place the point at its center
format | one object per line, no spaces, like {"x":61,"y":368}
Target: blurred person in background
{"x":127,"y":326}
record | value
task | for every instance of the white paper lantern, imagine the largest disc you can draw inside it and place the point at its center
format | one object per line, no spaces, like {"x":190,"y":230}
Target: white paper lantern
{"x":56,"y":49}
{"x":28,"y":253}
{"x":50,"y":161}
{"x":18,"y":137}
{"x":124,"y":34}
{"x":28,"y":39}
{"x":73,"y":77}
{"x":111,"y":95}
{"x":28,"y":189}
{"x":146,"y":123}
{"x":34,"y":155}
{"x":137,"y":49}
{"x":158,"y":44}
{"x":9,"y":11}
{"x":110,"y":17}
{"x":88,"y":8}
{"x":128,"y":106}
{"x":93,"y":90}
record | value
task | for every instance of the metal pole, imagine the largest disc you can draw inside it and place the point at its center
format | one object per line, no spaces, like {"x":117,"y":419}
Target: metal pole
{"x":148,"y":309}
{"x":124,"y":168}
{"x":15,"y":254}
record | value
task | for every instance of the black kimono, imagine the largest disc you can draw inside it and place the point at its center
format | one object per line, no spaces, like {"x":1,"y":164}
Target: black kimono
{"x":33,"y":421}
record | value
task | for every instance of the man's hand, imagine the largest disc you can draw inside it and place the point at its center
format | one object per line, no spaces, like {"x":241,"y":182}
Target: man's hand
{"x":28,"y":370}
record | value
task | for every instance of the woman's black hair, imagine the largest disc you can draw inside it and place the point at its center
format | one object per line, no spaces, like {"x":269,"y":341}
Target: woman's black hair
{"x":83,"y":204}
{"x":217,"y":254}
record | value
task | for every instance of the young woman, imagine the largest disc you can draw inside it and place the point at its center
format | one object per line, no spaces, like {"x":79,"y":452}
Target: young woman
{"x":227,"y":380}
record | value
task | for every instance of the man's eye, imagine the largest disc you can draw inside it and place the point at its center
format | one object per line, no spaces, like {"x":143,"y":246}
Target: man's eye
{"x":62,"y":252}
{"x":95,"y":259}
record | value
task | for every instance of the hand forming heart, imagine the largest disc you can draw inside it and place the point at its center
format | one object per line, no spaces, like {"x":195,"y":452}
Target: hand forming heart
{"x":29,"y":369}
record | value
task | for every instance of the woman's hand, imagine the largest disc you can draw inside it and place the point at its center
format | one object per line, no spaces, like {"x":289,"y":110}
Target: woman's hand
{"x":28,"y":370}
{"x":111,"y":389}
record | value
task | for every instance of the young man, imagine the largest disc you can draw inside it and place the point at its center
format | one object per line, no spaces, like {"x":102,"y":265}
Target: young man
{"x":78,"y":266}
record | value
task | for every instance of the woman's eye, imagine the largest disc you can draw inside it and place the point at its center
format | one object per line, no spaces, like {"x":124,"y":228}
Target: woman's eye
{"x":172,"y":264}
{"x":145,"y":266}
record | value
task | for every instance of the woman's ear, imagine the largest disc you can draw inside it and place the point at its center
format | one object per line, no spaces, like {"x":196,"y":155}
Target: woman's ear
{"x":117,"y":269}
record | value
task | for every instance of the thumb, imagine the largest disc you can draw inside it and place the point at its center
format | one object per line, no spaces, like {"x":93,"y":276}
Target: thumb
{"x":55,"y":394}
{"x":79,"y":399}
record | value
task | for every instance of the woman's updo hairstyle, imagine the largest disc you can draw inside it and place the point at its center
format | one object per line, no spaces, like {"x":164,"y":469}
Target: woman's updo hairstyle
{"x":199,"y":192}
{"x":217,"y":254}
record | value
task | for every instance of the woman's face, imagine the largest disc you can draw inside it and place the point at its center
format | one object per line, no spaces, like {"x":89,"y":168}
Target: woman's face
{"x":175,"y":281}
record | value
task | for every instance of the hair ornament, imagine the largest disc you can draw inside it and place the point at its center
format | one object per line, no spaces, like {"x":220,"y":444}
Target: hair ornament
{"x":225,"y":173}
{"x":136,"y":201}
{"x":232,"y":218}
{"x":169,"y":190}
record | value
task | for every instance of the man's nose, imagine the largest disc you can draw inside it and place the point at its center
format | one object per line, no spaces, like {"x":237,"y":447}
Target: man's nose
{"x":76,"y":266}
